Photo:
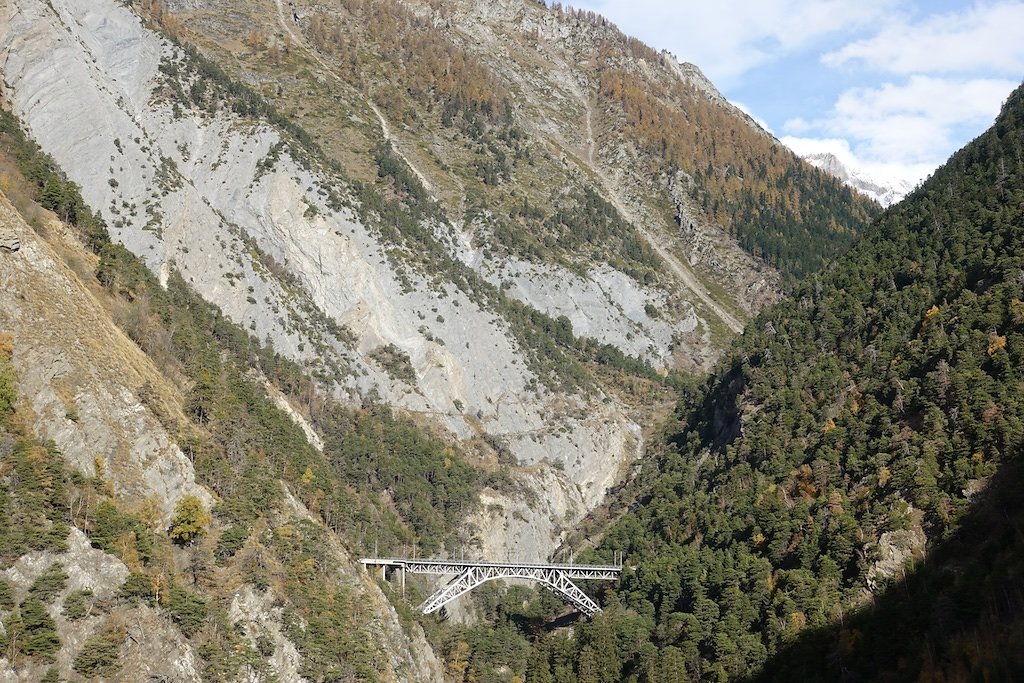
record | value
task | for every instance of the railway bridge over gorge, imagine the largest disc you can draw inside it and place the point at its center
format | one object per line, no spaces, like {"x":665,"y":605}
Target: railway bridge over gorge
{"x":468,"y":575}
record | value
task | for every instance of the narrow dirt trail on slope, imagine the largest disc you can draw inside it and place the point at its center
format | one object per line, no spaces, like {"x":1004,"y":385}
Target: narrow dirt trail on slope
{"x":683,"y":271}
{"x":284,"y":24}
{"x":686,"y":274}
{"x":384,"y":127}
{"x":592,"y":146}
{"x":386,"y":131}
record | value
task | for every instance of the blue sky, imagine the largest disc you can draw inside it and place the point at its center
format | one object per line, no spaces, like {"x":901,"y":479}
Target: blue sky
{"x":890,"y":86}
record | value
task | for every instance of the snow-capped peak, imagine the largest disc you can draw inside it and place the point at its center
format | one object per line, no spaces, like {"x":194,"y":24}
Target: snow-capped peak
{"x":885,"y":191}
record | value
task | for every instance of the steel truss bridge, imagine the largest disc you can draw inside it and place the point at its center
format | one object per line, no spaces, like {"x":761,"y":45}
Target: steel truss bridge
{"x":468,"y":575}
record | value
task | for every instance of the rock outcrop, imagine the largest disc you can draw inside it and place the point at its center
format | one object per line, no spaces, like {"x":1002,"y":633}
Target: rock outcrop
{"x":9,"y":241}
{"x":154,"y":649}
{"x":221,"y":199}
{"x":88,"y":385}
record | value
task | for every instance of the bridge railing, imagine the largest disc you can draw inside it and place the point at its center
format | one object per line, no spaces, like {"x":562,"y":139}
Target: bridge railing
{"x":440,"y":566}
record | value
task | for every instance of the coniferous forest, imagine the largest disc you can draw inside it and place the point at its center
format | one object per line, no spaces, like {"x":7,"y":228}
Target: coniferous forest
{"x":842,"y":499}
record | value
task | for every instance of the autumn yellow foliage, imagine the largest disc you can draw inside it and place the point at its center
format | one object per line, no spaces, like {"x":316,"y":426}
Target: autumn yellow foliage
{"x":420,"y":59}
{"x":190,"y":521}
{"x":1017,"y":311}
{"x":995,"y":343}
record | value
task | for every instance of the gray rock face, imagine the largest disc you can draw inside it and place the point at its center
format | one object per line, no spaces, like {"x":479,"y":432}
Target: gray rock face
{"x":84,"y":377}
{"x":154,"y":649}
{"x":187,"y":190}
{"x":259,"y":616}
{"x":87,"y":569}
{"x":895,"y":551}
{"x":9,"y":241}
{"x":607,"y":305}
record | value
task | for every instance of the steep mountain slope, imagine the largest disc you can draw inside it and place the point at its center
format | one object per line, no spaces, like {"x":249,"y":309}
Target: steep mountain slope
{"x":486,"y":86}
{"x":658,"y":132}
{"x":841,"y":501}
{"x":529,"y":310}
{"x":102,"y":573}
{"x":79,"y":377}
{"x":255,"y":223}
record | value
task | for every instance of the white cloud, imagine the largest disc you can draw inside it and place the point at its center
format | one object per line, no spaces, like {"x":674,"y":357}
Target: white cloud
{"x":727,"y":39}
{"x":900,"y":131}
{"x":797,"y":125}
{"x":838,"y":147}
{"x":914,"y":121}
{"x":986,"y":37}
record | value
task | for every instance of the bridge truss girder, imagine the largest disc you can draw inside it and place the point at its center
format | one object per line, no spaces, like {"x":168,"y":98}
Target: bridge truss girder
{"x":470,"y":577}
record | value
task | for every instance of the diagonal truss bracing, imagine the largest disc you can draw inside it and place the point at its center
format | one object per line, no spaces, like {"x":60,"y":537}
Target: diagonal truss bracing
{"x":469,"y":575}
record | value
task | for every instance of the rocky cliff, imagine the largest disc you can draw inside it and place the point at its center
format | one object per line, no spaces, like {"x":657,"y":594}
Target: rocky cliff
{"x":114,"y":417}
{"x":249,"y":226}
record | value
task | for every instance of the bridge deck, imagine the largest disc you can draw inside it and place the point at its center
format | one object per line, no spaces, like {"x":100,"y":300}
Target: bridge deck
{"x":454,"y":566}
